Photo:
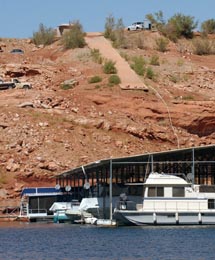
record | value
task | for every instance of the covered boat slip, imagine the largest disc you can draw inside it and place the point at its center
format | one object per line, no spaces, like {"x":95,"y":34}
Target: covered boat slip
{"x":36,"y":202}
{"x":106,"y":179}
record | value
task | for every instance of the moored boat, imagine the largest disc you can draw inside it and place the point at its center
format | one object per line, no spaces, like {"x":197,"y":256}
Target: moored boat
{"x":60,"y":209}
{"x":168,"y":200}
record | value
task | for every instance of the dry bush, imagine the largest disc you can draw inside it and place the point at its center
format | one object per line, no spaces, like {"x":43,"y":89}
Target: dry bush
{"x":203,"y":46}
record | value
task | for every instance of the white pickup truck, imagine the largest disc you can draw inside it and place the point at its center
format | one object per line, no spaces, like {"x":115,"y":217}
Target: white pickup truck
{"x":14,"y":83}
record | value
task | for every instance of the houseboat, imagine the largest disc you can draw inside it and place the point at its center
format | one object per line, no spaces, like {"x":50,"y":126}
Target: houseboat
{"x":36,"y":202}
{"x":168,"y":200}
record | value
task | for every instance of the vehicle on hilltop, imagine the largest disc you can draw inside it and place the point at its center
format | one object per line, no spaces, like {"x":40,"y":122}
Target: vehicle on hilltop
{"x":14,"y":83}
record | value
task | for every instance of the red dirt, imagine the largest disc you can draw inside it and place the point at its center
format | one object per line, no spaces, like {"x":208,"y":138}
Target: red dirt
{"x":61,"y":129}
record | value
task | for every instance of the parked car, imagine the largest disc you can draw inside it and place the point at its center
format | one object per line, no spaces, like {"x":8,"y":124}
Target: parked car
{"x":18,"y":51}
{"x":136,"y":26}
{"x":14,"y":83}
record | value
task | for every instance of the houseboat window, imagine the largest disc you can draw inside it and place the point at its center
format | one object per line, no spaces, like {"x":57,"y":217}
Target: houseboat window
{"x":178,"y":192}
{"x":151,"y":192}
{"x":155,"y":192}
{"x":211,"y":204}
{"x":160,"y":191}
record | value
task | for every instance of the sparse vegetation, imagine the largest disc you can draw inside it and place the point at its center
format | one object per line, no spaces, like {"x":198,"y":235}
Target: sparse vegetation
{"x":95,"y":79}
{"x":44,"y":35}
{"x":140,"y":42}
{"x":150,"y":74}
{"x":174,"y":78}
{"x":188,"y":97}
{"x":180,"y":26}
{"x":96,"y":56}
{"x":203,"y":46}
{"x":114,"y":80}
{"x":115,"y":32}
{"x":2,"y":179}
{"x":154,"y":60}
{"x":208,"y":26}
{"x":109,"y":27}
{"x":157,"y":19}
{"x":109,"y":67}
{"x":74,"y":38}
{"x":161,"y":44}
{"x":125,"y":56}
{"x":66,"y":86}
{"x":180,"y":62}
{"x":139,"y":65}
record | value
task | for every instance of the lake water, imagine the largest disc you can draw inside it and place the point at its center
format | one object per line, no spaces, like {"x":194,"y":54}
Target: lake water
{"x":33,"y":241}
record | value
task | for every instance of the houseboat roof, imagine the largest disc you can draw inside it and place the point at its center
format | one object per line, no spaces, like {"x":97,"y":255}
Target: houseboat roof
{"x":164,"y":179}
{"x":40,"y":191}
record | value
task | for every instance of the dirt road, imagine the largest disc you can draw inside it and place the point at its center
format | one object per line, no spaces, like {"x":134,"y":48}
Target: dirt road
{"x":129,"y":79}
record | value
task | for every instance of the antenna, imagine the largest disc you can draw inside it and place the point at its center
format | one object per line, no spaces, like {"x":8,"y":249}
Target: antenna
{"x":86,"y":184}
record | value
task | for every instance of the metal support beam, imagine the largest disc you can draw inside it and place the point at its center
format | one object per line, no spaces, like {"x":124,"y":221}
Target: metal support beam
{"x":110,"y":189}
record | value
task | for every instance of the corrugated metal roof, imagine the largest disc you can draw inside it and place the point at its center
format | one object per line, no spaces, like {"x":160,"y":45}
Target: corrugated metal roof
{"x":134,"y":158}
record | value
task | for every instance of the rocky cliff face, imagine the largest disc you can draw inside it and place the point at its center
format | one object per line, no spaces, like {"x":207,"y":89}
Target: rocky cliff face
{"x":47,"y":130}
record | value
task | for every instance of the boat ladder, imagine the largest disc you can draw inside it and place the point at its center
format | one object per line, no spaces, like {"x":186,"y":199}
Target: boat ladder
{"x":24,"y":207}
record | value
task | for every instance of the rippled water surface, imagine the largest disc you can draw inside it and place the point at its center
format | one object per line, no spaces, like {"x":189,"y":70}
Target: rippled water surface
{"x":33,"y":241}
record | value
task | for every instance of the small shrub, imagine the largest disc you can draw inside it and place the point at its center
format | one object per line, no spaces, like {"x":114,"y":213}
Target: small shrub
{"x":44,"y":35}
{"x":140,"y":43}
{"x":161,"y":44}
{"x":174,"y":78}
{"x":109,"y":27}
{"x":203,"y":46}
{"x":66,"y":86}
{"x":124,"y":55}
{"x":180,"y":26}
{"x":139,"y":65}
{"x":96,"y":56}
{"x":180,"y":62}
{"x":109,"y":67}
{"x":115,"y":32}
{"x":119,"y":40}
{"x":114,"y":80}
{"x":189,"y":97}
{"x":74,"y":38}
{"x":154,"y":60}
{"x":95,"y":79}
{"x":208,"y":26}
{"x":150,"y":74}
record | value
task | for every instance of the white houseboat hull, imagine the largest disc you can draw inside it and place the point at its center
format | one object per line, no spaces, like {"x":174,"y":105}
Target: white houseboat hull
{"x":169,"y":200}
{"x":151,"y":218}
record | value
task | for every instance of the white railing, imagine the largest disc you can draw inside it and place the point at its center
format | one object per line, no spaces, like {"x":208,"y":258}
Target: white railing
{"x":176,"y":205}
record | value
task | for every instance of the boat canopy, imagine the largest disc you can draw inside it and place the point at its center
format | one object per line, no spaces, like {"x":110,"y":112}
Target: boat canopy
{"x":40,"y":191}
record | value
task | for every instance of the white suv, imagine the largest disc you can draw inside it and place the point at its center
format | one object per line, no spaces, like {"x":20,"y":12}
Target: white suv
{"x":136,"y":26}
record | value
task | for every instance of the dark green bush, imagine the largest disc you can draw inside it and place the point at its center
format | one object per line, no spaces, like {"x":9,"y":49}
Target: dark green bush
{"x":114,"y":80}
{"x":95,"y":79}
{"x":74,"y":38}
{"x":109,"y":67}
{"x":44,"y":35}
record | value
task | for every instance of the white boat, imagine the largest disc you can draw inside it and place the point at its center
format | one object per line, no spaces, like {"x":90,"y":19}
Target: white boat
{"x":60,"y":210}
{"x":169,"y":200}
